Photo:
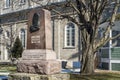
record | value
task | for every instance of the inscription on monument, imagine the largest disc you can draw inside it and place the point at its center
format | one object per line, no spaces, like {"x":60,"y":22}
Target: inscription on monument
{"x":33,"y":56}
{"x":35,"y":39}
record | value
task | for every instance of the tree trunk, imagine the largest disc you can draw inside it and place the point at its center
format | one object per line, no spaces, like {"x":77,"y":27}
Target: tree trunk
{"x":87,"y":63}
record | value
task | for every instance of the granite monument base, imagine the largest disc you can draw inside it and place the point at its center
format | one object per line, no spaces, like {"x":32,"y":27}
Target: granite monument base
{"x":39,"y":66}
{"x":39,"y":61}
{"x":27,"y":76}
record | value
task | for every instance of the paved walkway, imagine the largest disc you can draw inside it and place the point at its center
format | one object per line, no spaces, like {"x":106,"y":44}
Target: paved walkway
{"x":4,"y":73}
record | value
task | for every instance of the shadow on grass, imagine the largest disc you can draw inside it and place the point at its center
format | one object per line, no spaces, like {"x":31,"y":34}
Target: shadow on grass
{"x":97,"y":76}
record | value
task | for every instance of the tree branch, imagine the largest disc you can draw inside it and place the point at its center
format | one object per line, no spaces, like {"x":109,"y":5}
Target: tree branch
{"x":111,"y":20}
{"x":75,"y":8}
{"x":105,"y":37}
{"x":68,"y":17}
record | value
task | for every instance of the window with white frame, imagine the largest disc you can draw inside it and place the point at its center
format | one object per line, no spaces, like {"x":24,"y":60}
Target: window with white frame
{"x":23,"y":37}
{"x":22,"y":1}
{"x":7,"y":3}
{"x":70,"y":35}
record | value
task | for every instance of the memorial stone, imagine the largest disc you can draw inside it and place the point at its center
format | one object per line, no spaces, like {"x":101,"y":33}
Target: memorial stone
{"x":39,"y":57}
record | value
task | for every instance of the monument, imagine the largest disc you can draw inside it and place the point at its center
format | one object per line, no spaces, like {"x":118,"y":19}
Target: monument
{"x":39,"y":57}
{"x":39,"y":61}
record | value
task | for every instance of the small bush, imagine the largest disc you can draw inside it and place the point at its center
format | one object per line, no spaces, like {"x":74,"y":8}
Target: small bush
{"x":17,"y":48}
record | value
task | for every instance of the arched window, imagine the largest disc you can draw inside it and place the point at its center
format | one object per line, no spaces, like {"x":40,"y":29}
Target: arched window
{"x":23,"y":37}
{"x":70,"y":35}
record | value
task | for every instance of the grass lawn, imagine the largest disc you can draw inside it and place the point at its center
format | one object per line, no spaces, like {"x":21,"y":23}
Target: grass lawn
{"x":104,"y":75}
{"x":98,"y":75}
{"x":7,"y":68}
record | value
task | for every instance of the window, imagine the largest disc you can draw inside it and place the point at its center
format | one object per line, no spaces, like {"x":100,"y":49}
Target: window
{"x":0,"y":21}
{"x":23,"y":37}
{"x":8,"y":34}
{"x":116,"y":41}
{"x":70,"y":35}
{"x":22,"y":1}
{"x":7,"y":3}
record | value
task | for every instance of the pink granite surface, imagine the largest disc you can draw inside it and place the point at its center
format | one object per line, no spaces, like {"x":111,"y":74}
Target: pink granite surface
{"x":39,"y":66}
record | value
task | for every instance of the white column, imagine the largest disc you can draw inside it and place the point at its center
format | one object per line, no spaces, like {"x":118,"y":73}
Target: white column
{"x":1,"y":52}
{"x":110,"y":46}
{"x":2,"y":48}
{"x":1,"y":9}
{"x":26,"y":38}
{"x":59,"y":27}
{"x":5,"y":54}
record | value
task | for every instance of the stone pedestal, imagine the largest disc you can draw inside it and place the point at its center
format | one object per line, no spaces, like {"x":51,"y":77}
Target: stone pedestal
{"x":39,"y":62}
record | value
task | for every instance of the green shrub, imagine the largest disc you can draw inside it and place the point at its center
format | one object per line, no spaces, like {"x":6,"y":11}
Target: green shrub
{"x":17,"y":48}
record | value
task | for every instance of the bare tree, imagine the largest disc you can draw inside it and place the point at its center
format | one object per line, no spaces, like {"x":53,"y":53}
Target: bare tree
{"x":90,"y":13}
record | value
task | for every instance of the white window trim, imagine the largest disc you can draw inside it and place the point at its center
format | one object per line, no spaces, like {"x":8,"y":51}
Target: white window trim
{"x":23,"y":37}
{"x":5,"y":2}
{"x":65,"y":42}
